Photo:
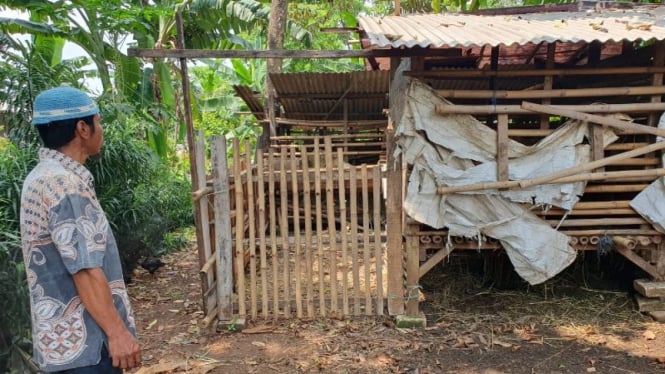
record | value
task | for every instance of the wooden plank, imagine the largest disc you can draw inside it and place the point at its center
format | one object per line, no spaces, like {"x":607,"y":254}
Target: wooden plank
{"x":378,"y":245}
{"x":251,"y":205}
{"x":330,"y":214}
{"x":649,"y":305}
{"x":273,"y":234}
{"x":307,"y":197}
{"x":597,"y":146}
{"x":239,"y":270}
{"x":366,"y":233}
{"x":649,"y":288}
{"x":394,"y":254}
{"x":434,"y":260}
{"x":284,"y":231}
{"x":207,"y":278}
{"x":412,"y":269}
{"x":354,"y":244}
{"x":261,"y":199}
{"x":607,"y":121}
{"x":297,"y":276}
{"x":343,"y":231}
{"x":223,"y":232}
{"x":559,"y":93}
{"x":502,"y":148}
{"x":319,"y":225}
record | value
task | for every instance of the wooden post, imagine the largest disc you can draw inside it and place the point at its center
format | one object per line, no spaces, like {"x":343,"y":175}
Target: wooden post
{"x":207,"y":279}
{"x":502,"y":172}
{"x":223,"y":235}
{"x":239,"y":270}
{"x":658,"y":61}
{"x":394,"y":251}
{"x":412,"y":269}
{"x":251,"y":206}
{"x":261,"y":199}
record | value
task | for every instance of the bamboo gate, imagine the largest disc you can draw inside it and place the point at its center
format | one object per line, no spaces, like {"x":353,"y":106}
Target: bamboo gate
{"x":298,"y":231}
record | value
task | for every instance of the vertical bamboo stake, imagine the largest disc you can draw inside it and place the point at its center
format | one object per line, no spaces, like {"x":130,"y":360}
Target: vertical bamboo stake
{"x":330,"y":200}
{"x":319,"y":225}
{"x":548,"y":83}
{"x":262,"y":231}
{"x":296,"y":231}
{"x":284,"y":230}
{"x":240,"y":229}
{"x":273,"y":231}
{"x":223,"y":232}
{"x":343,"y":231}
{"x":378,"y":247}
{"x":353,"y":188}
{"x":207,"y":279}
{"x":308,"y":230}
{"x":251,"y":205}
{"x":366,"y":250}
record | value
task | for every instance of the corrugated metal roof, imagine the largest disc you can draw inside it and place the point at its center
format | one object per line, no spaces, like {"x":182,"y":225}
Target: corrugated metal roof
{"x":318,"y":96}
{"x":466,"y":30}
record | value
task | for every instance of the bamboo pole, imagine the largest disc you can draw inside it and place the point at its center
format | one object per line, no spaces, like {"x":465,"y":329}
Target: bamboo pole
{"x":561,"y":180}
{"x":619,"y":188}
{"x":296,"y":232}
{"x":611,"y":232}
{"x":614,"y":204}
{"x":543,"y":94}
{"x":354,"y":244}
{"x":534,"y":72}
{"x":344,"y":232}
{"x":589,"y":212}
{"x":607,"y":121}
{"x":604,"y":222}
{"x":308,"y":232}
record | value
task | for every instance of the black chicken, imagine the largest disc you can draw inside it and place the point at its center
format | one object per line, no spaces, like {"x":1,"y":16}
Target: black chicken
{"x":151,"y":264}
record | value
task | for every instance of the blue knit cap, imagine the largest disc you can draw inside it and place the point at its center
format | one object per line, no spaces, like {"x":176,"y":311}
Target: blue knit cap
{"x":61,"y":103}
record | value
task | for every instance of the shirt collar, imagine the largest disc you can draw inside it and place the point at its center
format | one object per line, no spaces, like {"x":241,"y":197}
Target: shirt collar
{"x":68,"y":163}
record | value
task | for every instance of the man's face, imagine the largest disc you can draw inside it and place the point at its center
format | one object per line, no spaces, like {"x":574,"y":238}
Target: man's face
{"x":96,"y":140}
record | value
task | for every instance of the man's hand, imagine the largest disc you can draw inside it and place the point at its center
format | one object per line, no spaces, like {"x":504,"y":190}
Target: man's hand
{"x":95,"y":294}
{"x":124,"y":351}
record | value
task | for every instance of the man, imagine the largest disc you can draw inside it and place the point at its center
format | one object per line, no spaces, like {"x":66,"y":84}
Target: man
{"x":82,"y":320}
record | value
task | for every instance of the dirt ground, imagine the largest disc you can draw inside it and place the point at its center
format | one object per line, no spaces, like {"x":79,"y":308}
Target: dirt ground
{"x":566,"y":326}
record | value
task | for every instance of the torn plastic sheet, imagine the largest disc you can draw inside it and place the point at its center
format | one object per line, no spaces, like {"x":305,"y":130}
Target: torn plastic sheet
{"x":454,"y":150}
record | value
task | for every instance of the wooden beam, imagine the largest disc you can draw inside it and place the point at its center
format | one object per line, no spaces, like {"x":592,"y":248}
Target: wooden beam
{"x":444,"y":109}
{"x":608,"y":121}
{"x":625,"y":247}
{"x":434,"y":260}
{"x":394,"y":245}
{"x":561,"y":93}
{"x":535,"y":72}
{"x":283,"y":53}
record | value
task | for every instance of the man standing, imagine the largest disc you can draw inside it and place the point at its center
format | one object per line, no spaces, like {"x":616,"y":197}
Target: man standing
{"x":82,"y":320}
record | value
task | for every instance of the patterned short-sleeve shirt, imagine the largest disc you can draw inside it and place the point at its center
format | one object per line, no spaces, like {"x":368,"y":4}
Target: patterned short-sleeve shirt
{"x":64,"y":230}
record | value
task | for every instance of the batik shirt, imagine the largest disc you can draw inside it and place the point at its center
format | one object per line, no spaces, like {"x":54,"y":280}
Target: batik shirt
{"x":64,"y":230}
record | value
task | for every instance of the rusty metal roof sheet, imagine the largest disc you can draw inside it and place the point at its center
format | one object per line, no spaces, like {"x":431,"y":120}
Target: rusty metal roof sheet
{"x":466,"y":30}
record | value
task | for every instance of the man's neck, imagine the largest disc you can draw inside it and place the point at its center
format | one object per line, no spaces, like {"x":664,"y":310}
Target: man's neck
{"x":74,"y":152}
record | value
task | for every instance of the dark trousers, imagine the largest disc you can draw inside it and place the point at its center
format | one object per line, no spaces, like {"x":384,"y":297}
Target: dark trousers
{"x":103,"y":367}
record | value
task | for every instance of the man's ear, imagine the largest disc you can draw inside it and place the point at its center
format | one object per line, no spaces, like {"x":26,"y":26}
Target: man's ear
{"x":83,"y":129}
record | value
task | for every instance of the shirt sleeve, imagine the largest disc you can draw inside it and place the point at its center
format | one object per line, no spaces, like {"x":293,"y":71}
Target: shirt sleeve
{"x":78,"y":227}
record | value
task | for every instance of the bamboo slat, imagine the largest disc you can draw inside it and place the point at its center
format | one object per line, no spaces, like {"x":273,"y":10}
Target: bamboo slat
{"x":354,"y":243}
{"x":273,"y":235}
{"x":330,"y":201}
{"x":251,"y":204}
{"x":615,"y":188}
{"x":284,"y":231}
{"x":319,"y":225}
{"x":614,"y":204}
{"x":296,"y":233}
{"x":341,"y":191}
{"x":261,"y":199}
{"x":366,"y":247}
{"x":240,"y":230}
{"x":603,"y":222}
{"x":308,"y":233}
{"x":378,"y":246}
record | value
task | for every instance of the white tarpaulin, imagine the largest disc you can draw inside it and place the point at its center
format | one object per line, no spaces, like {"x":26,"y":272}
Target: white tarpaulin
{"x":453,"y":150}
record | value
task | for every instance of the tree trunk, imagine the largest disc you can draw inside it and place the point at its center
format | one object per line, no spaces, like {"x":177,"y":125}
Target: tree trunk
{"x":276,"y":27}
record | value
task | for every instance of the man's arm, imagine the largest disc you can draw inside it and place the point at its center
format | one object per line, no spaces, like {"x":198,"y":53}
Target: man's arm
{"x":94,"y":291}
